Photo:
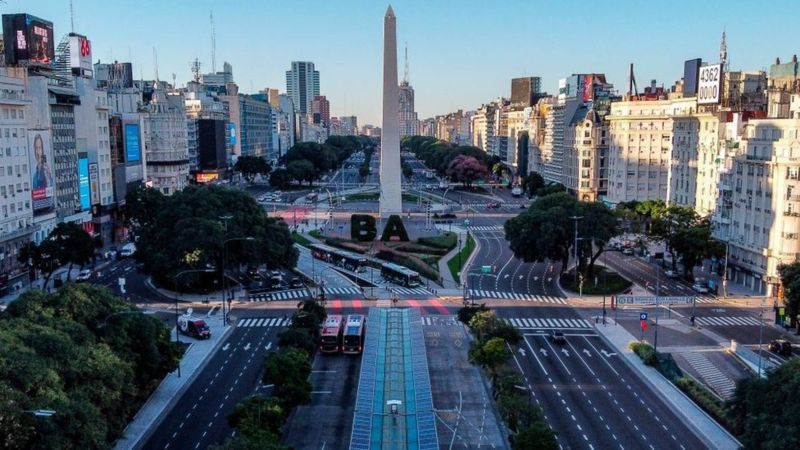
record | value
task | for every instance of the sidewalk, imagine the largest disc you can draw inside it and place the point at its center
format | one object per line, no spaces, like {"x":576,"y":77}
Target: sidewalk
{"x":172,"y":387}
{"x":713,"y":434}
{"x":448,"y":282}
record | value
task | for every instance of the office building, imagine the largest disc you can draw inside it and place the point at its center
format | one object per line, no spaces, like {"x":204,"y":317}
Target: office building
{"x":218,"y":81}
{"x":525,"y":91}
{"x":166,"y":141}
{"x":302,"y":85}
{"x":321,"y":110}
{"x":409,"y":124}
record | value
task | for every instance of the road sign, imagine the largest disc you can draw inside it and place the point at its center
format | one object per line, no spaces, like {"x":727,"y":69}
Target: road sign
{"x":466,"y":222}
{"x":486,"y":269}
{"x":652,"y":300}
{"x":643,"y":316}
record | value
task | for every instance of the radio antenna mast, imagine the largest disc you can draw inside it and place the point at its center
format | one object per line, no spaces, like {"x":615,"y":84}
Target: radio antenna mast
{"x":71,"y":17}
{"x":213,"y":44}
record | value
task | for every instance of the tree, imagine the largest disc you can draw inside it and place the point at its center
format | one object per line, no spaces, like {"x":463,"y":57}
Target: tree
{"x":302,"y":170}
{"x":536,"y":436}
{"x":254,"y":439}
{"x":280,"y":179}
{"x":250,"y":166}
{"x":489,"y":354}
{"x":258,"y":412}
{"x":73,"y":244}
{"x":408,"y":171}
{"x":466,"y":170}
{"x":552,"y":188}
{"x":481,"y":322}
{"x":142,"y":205}
{"x":362,"y":227}
{"x":288,"y":370}
{"x":41,"y":257}
{"x":790,"y":280}
{"x":763,"y":412}
{"x":532,"y":183}
{"x":685,"y":233}
{"x":364,"y":171}
{"x":466,"y":313}
{"x":188,"y":233}
{"x":299,"y":338}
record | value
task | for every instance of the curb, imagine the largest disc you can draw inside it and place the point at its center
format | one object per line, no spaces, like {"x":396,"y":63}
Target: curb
{"x":669,"y":401}
{"x":137,"y":442}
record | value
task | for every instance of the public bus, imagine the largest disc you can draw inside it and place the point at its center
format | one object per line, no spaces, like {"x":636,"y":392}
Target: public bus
{"x":400,"y":275}
{"x":354,"y":332}
{"x":330,"y":336}
{"x":338,"y":257}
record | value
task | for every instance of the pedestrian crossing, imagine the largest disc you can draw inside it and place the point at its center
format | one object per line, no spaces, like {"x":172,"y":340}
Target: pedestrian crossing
{"x":409,"y":291}
{"x":724,"y":321}
{"x":275,"y":296}
{"x":342,"y":290}
{"x":486,"y":228}
{"x":447,"y":321}
{"x":481,"y":294}
{"x":255,"y":322}
{"x":547,"y":323}
{"x":714,"y":377}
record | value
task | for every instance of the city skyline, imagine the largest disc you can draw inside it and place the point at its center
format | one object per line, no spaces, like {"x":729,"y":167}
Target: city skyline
{"x":349,"y":59}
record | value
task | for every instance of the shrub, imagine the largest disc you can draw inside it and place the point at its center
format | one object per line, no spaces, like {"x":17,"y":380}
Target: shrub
{"x":446,"y":241}
{"x":645,"y":352}
{"x":466,"y":313}
{"x":706,"y":400}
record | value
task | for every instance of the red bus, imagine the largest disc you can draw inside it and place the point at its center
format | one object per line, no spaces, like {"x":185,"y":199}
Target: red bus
{"x":330,"y":339}
{"x":354,"y":332}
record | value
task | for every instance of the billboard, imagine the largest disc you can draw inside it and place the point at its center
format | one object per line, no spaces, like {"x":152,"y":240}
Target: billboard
{"x":94,"y":183}
{"x":691,"y":70}
{"x":83,"y":183}
{"x":80,"y":55}
{"x":232,"y":131}
{"x":709,"y":84}
{"x":41,"y":163}
{"x":133,"y":147}
{"x":28,"y":40}
{"x":206,"y":177}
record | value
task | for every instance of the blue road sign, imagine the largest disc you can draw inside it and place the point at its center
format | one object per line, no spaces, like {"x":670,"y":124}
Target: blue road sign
{"x":643,"y":316}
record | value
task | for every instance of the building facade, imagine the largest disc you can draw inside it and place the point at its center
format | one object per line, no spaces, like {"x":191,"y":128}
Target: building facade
{"x":409,"y":123}
{"x":302,"y":85}
{"x":166,"y":145}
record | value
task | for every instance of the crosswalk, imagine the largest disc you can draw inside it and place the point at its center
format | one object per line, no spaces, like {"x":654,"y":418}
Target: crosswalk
{"x":727,"y":321}
{"x":409,"y":291}
{"x":293,"y":294}
{"x":486,"y":228}
{"x":478,"y":293}
{"x":547,"y":323}
{"x":714,"y":377}
{"x":447,"y":321}
{"x":263,"y":322}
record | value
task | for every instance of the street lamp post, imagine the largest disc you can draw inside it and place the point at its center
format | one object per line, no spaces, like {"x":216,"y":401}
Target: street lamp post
{"x":224,"y":281}
{"x":175,"y":283}
{"x":576,"y":218}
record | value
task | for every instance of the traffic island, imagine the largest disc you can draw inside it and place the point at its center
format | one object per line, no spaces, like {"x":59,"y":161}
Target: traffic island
{"x":603,"y":282}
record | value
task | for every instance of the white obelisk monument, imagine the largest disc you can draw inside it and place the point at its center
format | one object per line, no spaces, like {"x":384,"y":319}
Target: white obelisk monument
{"x":391,"y":191}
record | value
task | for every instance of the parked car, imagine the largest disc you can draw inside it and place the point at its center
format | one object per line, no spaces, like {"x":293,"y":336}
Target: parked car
{"x":781,"y":347}
{"x":83,"y":275}
{"x":557,"y":337}
{"x":699,"y":288}
{"x":670,"y":274}
{"x":627,"y":251}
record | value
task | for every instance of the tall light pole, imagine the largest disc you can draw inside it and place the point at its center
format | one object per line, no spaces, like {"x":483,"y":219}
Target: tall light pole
{"x":224,"y":289}
{"x":175,"y":283}
{"x":576,"y":218}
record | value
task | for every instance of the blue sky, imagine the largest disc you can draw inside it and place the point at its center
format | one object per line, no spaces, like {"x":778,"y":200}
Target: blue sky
{"x":462,"y":52}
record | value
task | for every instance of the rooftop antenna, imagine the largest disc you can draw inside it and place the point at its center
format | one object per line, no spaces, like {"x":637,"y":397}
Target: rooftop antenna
{"x":174,"y":83}
{"x":155,"y":62}
{"x":71,"y":17}
{"x":405,"y":76}
{"x":213,"y":45}
{"x":196,"y":70}
{"x":723,"y":52}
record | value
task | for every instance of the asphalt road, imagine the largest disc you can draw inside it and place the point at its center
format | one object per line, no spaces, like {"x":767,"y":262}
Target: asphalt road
{"x":590,"y":397}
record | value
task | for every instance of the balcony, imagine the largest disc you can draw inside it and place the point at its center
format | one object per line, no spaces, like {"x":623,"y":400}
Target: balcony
{"x":793,"y":198}
{"x":792,"y":213}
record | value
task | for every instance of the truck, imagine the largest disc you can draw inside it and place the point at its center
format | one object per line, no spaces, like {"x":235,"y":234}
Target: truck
{"x":193,"y":326}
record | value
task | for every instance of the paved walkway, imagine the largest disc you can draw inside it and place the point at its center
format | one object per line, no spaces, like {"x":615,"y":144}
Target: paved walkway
{"x":448,"y":282}
{"x":172,"y":386}
{"x":714,"y":435}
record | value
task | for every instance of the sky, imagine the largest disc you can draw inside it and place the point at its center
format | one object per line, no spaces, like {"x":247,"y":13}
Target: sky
{"x":462,"y":53}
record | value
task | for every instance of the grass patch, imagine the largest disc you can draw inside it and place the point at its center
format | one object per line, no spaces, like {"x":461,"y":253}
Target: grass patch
{"x":362,"y":197}
{"x":300,"y":239}
{"x":447,"y":241}
{"x":411,"y":198}
{"x":458,"y":260}
{"x":316,"y":234}
{"x":404,"y":260}
{"x":608,"y":283}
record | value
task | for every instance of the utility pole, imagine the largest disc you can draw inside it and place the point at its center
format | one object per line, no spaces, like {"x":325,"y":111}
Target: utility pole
{"x":576,"y":218}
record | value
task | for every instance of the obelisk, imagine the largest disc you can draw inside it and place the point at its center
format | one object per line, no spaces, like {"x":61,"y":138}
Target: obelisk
{"x":391,"y":191}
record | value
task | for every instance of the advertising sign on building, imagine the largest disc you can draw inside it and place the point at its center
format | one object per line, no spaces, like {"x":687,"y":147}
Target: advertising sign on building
{"x":709,"y":84}
{"x":133,"y":148}
{"x":94,"y":183}
{"x":83,"y":183}
{"x":206,"y":177}
{"x":28,"y":40}
{"x":80,"y":55}
{"x":41,"y":163}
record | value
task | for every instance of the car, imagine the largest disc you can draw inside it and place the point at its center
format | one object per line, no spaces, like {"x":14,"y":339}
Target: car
{"x":493,"y":205}
{"x":781,"y":347}
{"x":627,"y":251}
{"x":84,"y":275}
{"x":557,"y":337}
{"x":670,"y":274}
{"x":699,"y":288}
{"x":296,"y":283}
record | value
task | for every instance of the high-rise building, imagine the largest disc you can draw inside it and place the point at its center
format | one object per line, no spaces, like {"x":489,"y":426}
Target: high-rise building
{"x":409,"y":123}
{"x":166,"y":141}
{"x":218,"y":81}
{"x":524,"y":91}
{"x":302,"y":85}
{"x":321,"y":109}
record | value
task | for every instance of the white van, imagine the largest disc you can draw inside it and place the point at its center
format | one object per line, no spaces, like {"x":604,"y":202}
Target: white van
{"x":127,"y":250}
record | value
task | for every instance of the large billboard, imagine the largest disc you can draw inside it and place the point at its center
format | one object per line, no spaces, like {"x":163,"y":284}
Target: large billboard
{"x":80,"y":55}
{"x":41,"y":163}
{"x":133,"y":147}
{"x":691,"y":70}
{"x":94,"y":183}
{"x":28,"y":40}
{"x":84,"y":193}
{"x":709,"y":84}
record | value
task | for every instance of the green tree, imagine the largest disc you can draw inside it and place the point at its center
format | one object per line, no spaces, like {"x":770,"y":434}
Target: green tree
{"x":552,"y":188}
{"x":258,"y":412}
{"x":364,"y":171}
{"x":466,"y":313}
{"x":303,"y":170}
{"x":41,"y":257}
{"x":537,"y":436}
{"x":481,"y":322}
{"x":408,"y":171}
{"x":142,"y":205}
{"x":73,"y":243}
{"x":280,"y":179}
{"x":489,"y":354}
{"x":299,"y":338}
{"x":763,"y":412}
{"x":288,"y":369}
{"x":686,"y":234}
{"x":250,"y":166}
{"x":254,"y":439}
{"x":188,"y":233}
{"x":790,"y":280}
{"x":363,"y":228}
{"x":532,"y":183}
